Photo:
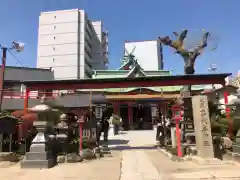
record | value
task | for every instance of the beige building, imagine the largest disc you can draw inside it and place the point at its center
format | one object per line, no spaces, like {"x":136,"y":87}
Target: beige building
{"x":148,"y":53}
{"x":71,"y":44}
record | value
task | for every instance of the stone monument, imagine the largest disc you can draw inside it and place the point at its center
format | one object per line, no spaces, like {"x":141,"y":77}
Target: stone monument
{"x":173,"y":137}
{"x":236,"y":144}
{"x":40,"y":156}
{"x":236,"y":119}
{"x":202,"y":126}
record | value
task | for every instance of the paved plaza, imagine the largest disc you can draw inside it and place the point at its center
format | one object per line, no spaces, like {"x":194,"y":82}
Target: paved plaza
{"x":134,"y":156}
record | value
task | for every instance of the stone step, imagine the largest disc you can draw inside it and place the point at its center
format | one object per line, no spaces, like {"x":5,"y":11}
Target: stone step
{"x":38,"y":164}
{"x":38,"y":148}
{"x":38,"y":155}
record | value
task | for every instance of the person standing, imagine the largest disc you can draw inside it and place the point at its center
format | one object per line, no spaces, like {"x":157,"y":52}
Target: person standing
{"x":103,"y":126}
{"x":115,"y":120}
{"x":160,"y":132}
{"x":141,"y":123}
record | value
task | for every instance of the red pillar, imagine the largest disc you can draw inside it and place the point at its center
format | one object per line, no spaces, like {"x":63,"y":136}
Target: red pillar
{"x":130,"y":114}
{"x":21,"y":126}
{"x":26,"y":97}
{"x":116,"y":107}
{"x":159,"y":108}
{"x":177,"y":116}
{"x":178,"y":135}
{"x":228,"y":115}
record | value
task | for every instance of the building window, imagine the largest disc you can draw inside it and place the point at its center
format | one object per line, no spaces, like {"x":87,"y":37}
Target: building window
{"x":54,"y":48}
{"x":54,"y":27}
{"x":53,"y":59}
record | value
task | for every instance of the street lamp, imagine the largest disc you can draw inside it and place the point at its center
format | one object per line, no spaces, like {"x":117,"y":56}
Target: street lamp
{"x":18,"y":47}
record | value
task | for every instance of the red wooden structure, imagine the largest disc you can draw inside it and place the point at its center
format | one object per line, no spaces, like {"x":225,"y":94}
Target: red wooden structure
{"x":121,"y":83}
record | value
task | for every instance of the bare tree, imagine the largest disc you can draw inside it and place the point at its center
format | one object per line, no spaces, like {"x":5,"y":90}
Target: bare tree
{"x":189,"y":56}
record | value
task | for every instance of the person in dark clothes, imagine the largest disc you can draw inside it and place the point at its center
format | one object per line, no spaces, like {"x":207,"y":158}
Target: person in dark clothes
{"x":141,"y":123}
{"x":103,"y":126}
{"x":160,"y":132}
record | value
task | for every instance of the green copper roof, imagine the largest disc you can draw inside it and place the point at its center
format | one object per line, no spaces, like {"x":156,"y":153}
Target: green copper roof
{"x":123,"y":73}
{"x":103,"y":74}
{"x":156,"y":89}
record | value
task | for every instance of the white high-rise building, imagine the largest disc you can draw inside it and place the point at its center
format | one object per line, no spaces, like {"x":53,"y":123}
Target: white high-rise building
{"x":70,"y":44}
{"x":148,"y":53}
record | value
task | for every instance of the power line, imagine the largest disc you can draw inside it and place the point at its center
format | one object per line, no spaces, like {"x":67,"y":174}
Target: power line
{"x":18,"y":61}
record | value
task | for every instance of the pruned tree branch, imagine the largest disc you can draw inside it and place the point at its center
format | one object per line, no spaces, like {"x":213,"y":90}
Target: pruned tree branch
{"x":197,"y":51}
{"x":189,"y":56}
{"x":176,"y":44}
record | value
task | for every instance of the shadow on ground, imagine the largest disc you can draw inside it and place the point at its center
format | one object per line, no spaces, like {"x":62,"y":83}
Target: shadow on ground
{"x":117,"y":142}
{"x":120,"y":148}
{"x":122,"y":132}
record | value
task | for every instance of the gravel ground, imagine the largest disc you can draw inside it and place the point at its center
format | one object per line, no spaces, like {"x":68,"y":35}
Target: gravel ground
{"x":107,"y":168}
{"x":135,"y":152}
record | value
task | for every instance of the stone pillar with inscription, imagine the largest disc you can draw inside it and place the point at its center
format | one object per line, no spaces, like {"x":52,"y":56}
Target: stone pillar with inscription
{"x":202,"y":126}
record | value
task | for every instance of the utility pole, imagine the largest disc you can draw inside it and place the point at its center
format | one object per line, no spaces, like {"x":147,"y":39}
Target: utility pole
{"x":2,"y":74}
{"x":18,"y":47}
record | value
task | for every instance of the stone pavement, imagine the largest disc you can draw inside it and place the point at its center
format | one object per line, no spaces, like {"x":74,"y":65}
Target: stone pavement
{"x":181,"y":170}
{"x":134,"y":156}
{"x":142,"y":161}
{"x":136,"y":165}
{"x":107,"y":168}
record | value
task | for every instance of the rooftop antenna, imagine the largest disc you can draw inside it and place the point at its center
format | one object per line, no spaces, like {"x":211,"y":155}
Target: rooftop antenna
{"x":213,"y":68}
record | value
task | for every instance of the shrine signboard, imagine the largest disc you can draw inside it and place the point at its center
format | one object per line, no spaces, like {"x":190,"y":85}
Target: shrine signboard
{"x":202,"y":126}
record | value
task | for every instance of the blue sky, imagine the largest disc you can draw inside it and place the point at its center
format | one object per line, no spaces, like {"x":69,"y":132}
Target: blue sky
{"x":134,"y":20}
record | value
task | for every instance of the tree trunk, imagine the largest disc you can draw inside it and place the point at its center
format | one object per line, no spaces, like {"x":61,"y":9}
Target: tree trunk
{"x":188,"y":70}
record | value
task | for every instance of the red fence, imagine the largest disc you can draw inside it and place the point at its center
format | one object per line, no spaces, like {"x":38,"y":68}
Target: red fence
{"x":32,"y":95}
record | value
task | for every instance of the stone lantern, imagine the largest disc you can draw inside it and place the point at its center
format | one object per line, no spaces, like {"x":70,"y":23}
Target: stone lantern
{"x":62,"y":135}
{"x":236,"y":121}
{"x":40,"y":156}
{"x":63,"y":122}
